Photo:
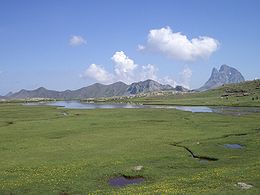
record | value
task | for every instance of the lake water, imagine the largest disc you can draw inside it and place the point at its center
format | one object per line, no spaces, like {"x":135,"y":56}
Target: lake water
{"x":194,"y":108}
{"x":81,"y":105}
{"x":220,"y":109}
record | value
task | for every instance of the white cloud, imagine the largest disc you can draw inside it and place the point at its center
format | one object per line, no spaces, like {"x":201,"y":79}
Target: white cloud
{"x":123,"y":62}
{"x":127,"y":71}
{"x":149,"y":72}
{"x":76,"y":40}
{"x":178,"y":46}
{"x":98,"y":73}
{"x":168,"y":80}
{"x":140,"y":47}
{"x":124,"y":67}
{"x":185,"y":77}
{"x":124,"y":70}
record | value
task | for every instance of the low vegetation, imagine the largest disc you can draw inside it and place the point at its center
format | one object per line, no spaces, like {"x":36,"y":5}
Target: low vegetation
{"x":44,"y":151}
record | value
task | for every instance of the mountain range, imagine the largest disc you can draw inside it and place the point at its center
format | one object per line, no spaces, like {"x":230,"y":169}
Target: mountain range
{"x":96,"y":90}
{"x":224,"y":75}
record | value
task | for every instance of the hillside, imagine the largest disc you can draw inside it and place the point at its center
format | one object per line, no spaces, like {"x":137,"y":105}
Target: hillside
{"x":241,"y":94}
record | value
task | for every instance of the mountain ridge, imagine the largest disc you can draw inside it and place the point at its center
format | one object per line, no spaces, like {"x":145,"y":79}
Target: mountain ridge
{"x":224,"y":75}
{"x":96,"y":90}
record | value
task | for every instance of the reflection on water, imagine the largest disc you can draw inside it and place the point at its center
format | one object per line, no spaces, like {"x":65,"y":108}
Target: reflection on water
{"x":220,"y":109}
{"x":81,"y":105}
{"x":124,"y":181}
{"x":194,"y":108}
{"x":74,"y":104}
{"x":233,"y":146}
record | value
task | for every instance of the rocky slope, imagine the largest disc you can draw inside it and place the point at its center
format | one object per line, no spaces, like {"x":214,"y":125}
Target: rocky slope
{"x":147,"y":86}
{"x":224,"y":75}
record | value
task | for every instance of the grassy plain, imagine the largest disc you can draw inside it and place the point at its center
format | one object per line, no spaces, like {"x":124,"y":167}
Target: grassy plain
{"x":48,"y":150}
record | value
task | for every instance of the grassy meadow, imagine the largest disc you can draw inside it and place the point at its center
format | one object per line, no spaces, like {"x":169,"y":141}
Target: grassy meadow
{"x":48,"y":150}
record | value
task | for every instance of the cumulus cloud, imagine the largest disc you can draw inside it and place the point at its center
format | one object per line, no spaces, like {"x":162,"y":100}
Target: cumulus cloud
{"x":168,"y":80}
{"x":123,"y":63}
{"x":185,"y":77}
{"x":98,"y":73}
{"x":124,"y":66}
{"x":126,"y":70}
{"x":178,"y":46}
{"x":149,"y":72}
{"x":76,"y":40}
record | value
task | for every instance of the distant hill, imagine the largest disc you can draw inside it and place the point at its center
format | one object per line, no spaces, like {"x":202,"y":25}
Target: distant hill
{"x":95,"y":91}
{"x":100,"y":90}
{"x":224,"y":75}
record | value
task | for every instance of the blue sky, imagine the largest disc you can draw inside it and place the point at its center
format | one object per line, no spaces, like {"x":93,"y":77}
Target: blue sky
{"x":61,"y":44}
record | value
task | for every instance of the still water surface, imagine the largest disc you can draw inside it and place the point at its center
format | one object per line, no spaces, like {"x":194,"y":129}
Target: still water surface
{"x":81,"y":105}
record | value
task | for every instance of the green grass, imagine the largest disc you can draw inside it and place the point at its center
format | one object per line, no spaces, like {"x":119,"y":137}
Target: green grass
{"x":44,"y":152}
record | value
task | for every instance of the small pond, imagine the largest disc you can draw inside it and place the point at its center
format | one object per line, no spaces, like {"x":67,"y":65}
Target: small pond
{"x":233,"y":146}
{"x":122,"y":181}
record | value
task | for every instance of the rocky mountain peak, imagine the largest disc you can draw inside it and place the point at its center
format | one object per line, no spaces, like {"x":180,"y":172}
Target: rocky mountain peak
{"x":224,"y":67}
{"x":214,"y":71}
{"x":224,"y":75}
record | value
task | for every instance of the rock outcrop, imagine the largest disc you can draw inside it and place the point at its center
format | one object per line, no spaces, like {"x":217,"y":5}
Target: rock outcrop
{"x":224,"y":75}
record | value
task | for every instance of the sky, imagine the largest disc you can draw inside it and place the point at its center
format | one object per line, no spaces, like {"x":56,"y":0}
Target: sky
{"x":69,"y":44}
